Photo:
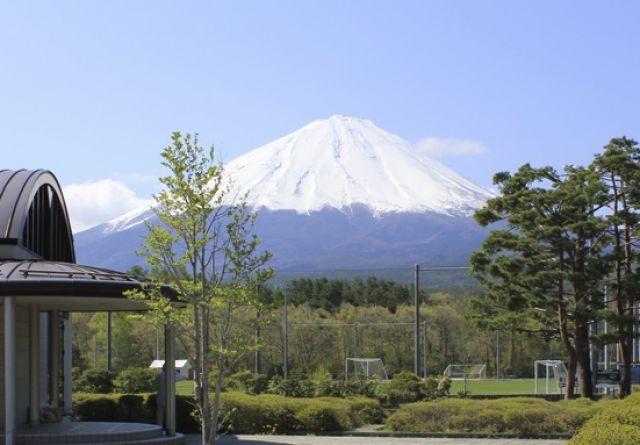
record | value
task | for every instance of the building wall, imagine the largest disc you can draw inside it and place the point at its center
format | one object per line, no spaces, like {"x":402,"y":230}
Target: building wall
{"x":22,"y":364}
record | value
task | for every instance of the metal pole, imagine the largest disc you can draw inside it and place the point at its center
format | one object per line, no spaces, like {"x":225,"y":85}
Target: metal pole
{"x":416,"y":358}
{"x":424,"y":348}
{"x":606,"y":331}
{"x":257,"y":353}
{"x":109,"y":341}
{"x":157,"y":344}
{"x":498,"y":354}
{"x":285,"y":349}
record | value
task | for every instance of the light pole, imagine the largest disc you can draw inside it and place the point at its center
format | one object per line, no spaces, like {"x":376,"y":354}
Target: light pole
{"x":416,"y":362}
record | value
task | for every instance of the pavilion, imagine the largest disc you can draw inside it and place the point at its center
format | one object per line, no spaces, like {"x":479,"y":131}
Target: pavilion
{"x":40,"y":287}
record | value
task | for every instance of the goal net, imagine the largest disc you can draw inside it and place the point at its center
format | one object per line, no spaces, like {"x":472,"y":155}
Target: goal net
{"x":469,"y":372}
{"x":553,"y":370}
{"x":368,"y":368}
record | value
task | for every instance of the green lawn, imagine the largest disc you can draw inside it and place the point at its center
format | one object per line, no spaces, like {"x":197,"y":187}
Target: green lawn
{"x":184,"y":387}
{"x":480,"y":387}
{"x":491,"y":386}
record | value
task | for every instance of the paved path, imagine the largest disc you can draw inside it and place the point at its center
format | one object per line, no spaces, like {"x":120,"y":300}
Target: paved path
{"x":244,"y":439}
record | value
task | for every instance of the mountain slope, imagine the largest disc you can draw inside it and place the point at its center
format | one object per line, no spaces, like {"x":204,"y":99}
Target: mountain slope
{"x":342,"y":161}
{"x":338,"y":194}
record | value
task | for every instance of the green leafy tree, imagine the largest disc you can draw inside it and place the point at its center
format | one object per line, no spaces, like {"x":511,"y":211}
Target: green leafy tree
{"x":619,"y":167}
{"x":547,"y":262}
{"x":204,"y":248}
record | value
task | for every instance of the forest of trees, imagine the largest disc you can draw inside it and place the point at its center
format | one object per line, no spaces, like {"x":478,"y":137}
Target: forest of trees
{"x":330,"y":320}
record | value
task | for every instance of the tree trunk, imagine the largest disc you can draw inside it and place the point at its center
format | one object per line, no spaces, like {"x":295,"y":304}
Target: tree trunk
{"x":571,"y":352}
{"x":584,"y":359}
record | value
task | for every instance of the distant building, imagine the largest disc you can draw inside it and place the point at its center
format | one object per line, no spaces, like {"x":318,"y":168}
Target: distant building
{"x":183,"y":368}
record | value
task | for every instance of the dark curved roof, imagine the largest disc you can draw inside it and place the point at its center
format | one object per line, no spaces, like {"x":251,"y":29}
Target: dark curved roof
{"x":34,"y":221}
{"x":55,"y":279}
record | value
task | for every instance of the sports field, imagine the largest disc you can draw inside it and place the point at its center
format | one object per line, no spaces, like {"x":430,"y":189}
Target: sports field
{"x":492,"y":386}
{"x":184,"y":387}
{"x":480,"y":387}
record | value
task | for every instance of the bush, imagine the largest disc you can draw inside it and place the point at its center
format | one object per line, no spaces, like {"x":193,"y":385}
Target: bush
{"x":617,"y":423}
{"x":267,"y":413}
{"x":290,"y":387}
{"x":131,"y":408}
{"x":91,"y":407}
{"x":135,"y":380}
{"x":95,"y":380}
{"x":524,"y":416}
{"x":246,"y":381}
{"x":402,"y":388}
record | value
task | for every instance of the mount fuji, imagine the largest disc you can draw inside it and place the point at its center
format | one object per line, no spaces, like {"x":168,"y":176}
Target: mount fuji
{"x":337,"y":194}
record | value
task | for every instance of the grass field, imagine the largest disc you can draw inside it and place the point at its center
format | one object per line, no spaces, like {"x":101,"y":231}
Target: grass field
{"x":516,"y":386}
{"x":184,"y":387}
{"x":480,"y":387}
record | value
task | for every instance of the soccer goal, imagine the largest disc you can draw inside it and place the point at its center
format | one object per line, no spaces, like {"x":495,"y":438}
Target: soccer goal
{"x":368,"y":368}
{"x":469,"y":372}
{"x":555,"y":367}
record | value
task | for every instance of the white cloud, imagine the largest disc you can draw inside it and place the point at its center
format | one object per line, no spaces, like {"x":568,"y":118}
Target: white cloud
{"x":443,"y":147}
{"x":95,"y":202}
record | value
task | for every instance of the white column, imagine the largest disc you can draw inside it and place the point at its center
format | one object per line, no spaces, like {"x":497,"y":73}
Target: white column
{"x":9,"y":370}
{"x":54,"y":360}
{"x":67,"y":365}
{"x":34,"y":365}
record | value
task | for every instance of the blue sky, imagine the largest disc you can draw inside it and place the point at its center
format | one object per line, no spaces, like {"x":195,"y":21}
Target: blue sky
{"x":92,"y":90}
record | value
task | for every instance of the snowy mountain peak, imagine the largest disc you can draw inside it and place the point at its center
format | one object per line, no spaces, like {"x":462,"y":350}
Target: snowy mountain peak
{"x":342,"y":161}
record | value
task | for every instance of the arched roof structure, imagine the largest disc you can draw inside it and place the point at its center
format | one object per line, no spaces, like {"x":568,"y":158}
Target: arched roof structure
{"x":34,"y":222}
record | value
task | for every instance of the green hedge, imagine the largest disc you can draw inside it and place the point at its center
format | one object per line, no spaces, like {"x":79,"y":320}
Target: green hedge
{"x":517,"y":415}
{"x":131,"y":408}
{"x":242,"y":413}
{"x":268,"y":413}
{"x":617,"y":423}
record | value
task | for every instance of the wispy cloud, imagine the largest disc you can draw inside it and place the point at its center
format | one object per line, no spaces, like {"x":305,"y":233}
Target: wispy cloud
{"x":95,"y":202}
{"x":444,"y":147}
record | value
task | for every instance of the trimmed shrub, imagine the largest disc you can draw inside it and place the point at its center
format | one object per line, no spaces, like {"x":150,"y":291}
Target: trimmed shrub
{"x":402,"y":388}
{"x":267,"y":413}
{"x":132,"y":408}
{"x":524,"y":416}
{"x":617,"y":423}
{"x":95,"y":380}
{"x":95,"y":407}
{"x":135,"y":381}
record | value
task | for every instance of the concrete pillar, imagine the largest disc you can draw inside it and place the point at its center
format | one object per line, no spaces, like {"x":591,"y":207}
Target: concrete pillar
{"x":54,"y":359}
{"x":170,"y":380}
{"x":34,"y":365}
{"x":67,"y":365}
{"x":9,"y":370}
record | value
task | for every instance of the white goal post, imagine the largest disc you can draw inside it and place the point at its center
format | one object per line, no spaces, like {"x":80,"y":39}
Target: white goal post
{"x":369,"y":368}
{"x":470,"y":372}
{"x":559,"y":370}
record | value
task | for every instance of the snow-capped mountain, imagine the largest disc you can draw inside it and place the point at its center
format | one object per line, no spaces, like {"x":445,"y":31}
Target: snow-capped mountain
{"x":342,"y":161}
{"x":339,"y":193}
